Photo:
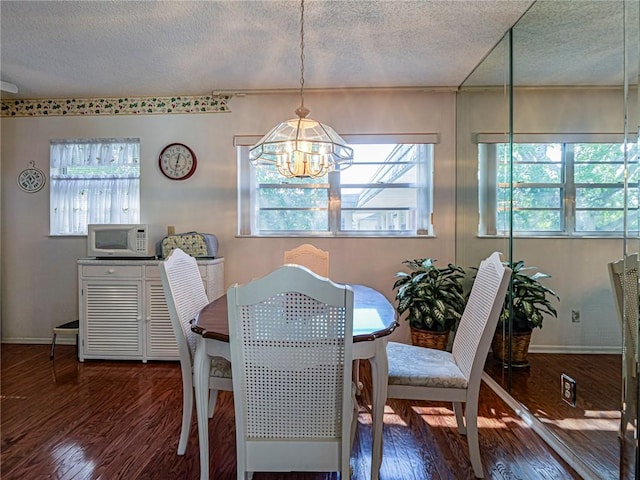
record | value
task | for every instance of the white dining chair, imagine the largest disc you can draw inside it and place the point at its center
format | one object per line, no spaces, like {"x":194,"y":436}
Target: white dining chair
{"x":291,"y":339}
{"x":418,"y":373}
{"x":309,"y":256}
{"x":623,"y":275}
{"x":317,"y":260}
{"x":186,"y":296}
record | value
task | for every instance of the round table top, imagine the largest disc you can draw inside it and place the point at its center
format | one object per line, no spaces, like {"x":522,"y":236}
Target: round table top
{"x":373,"y":317}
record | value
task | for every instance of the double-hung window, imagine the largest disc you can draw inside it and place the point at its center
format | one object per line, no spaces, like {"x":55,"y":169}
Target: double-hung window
{"x":558,"y":188}
{"x":387,"y":191}
{"x":93,"y":181}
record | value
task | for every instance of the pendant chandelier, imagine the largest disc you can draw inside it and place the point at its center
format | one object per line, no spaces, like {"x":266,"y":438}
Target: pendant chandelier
{"x":302,"y":147}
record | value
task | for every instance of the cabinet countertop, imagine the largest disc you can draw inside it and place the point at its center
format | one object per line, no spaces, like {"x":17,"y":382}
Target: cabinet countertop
{"x":139,"y":261}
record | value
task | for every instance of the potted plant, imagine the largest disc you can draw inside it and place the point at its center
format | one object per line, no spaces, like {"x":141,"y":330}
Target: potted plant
{"x":530,"y":302}
{"x":433,"y":298}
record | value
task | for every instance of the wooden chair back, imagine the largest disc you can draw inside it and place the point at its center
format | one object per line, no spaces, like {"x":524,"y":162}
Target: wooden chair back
{"x":309,"y":256}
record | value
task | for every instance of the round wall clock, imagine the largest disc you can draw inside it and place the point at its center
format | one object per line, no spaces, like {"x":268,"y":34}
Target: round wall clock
{"x":177,"y":161}
{"x":31,"y":179}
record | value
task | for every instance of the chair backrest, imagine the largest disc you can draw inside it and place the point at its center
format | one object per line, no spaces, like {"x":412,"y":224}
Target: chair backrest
{"x":186,"y":296}
{"x":480,"y":318}
{"x":291,"y":336}
{"x":309,"y":256}
{"x":623,"y":275}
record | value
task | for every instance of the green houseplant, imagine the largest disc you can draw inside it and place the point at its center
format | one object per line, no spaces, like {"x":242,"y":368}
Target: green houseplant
{"x":529,"y":301}
{"x":433,"y":298}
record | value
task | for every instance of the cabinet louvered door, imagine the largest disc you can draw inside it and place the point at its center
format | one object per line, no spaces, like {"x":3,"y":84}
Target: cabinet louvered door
{"x":161,"y":341}
{"x":123,"y":310}
{"x":113,"y":320}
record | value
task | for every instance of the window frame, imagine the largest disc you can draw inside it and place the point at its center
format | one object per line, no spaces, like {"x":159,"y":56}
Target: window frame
{"x":488,"y":184}
{"x":247,"y":191}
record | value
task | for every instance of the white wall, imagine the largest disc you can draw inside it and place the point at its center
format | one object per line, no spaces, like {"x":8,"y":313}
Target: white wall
{"x":39,"y":278}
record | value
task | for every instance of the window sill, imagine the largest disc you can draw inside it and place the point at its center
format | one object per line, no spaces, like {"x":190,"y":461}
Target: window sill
{"x":556,"y":237}
{"x":397,"y":237}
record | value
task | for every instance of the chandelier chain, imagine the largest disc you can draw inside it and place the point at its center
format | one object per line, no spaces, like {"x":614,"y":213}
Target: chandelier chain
{"x":302,"y":148}
{"x":302,"y":53}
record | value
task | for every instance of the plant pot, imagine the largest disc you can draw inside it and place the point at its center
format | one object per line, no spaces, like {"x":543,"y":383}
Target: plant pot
{"x":429,"y":339}
{"x":519,"y":348}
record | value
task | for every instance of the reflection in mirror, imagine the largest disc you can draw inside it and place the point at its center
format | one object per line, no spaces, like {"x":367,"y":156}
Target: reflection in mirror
{"x":630,"y":454}
{"x":545,"y":176}
{"x":624,"y":284}
{"x":483,"y":110}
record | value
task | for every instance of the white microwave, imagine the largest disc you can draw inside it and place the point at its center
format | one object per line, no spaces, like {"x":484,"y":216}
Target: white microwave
{"x":123,"y":240}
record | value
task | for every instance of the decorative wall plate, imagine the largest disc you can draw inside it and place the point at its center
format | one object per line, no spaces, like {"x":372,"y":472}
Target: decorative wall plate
{"x":31,"y":179}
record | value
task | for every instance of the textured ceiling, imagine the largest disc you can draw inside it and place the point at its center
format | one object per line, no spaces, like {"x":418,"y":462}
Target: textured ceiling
{"x":58,"y":49}
{"x":569,"y":43}
{"x":75,"y":49}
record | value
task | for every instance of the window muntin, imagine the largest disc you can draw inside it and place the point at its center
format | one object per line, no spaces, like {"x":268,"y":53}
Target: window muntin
{"x":563,"y":188}
{"x":93,"y":181}
{"x":387,"y":191}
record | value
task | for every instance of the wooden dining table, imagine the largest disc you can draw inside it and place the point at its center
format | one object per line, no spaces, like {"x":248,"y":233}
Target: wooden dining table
{"x":374,"y":318}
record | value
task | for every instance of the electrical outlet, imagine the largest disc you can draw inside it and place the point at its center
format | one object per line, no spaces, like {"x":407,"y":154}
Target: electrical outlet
{"x":575,"y":316}
{"x":568,"y":389}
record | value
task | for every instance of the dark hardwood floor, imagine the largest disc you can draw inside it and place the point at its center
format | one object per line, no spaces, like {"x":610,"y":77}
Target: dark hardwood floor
{"x":121,"y":420}
{"x":591,"y":427}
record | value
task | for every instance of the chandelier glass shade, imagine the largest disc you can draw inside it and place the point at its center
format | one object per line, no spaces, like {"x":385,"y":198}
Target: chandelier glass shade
{"x":302,"y":147}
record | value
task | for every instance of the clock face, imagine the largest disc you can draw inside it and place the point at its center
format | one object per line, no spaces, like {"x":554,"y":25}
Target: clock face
{"x":31,"y":180}
{"x":177,"y":161}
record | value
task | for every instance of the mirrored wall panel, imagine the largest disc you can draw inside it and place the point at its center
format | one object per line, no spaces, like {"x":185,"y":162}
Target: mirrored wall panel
{"x":630,"y":453}
{"x":547,"y":142}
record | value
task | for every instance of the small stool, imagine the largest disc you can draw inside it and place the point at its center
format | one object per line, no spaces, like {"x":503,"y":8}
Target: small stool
{"x":69,"y":328}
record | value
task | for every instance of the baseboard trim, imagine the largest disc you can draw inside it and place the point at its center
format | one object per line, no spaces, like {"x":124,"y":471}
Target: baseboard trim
{"x":60,"y":340}
{"x":577,"y":349}
{"x":66,"y":340}
{"x":543,"y":431}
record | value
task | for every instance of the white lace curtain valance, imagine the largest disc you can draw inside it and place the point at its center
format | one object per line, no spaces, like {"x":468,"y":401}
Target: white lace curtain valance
{"x":95,"y":153}
{"x":95,"y":181}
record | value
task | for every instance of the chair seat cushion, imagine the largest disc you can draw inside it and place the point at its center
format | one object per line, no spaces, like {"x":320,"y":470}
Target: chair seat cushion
{"x":424,"y":367}
{"x":220,"y":367}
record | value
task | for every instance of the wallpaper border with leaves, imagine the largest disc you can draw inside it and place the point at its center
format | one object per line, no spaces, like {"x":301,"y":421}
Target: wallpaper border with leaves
{"x":115,"y":106}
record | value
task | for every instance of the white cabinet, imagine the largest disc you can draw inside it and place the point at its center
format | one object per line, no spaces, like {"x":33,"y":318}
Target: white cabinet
{"x":123,"y":311}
